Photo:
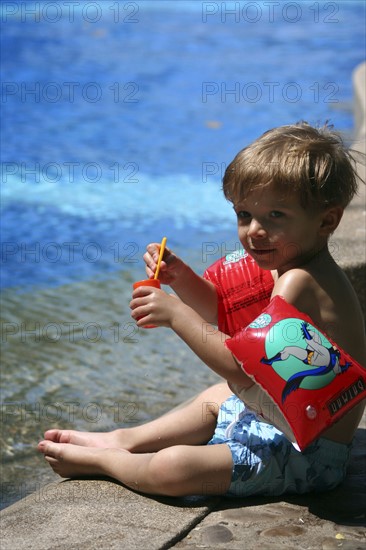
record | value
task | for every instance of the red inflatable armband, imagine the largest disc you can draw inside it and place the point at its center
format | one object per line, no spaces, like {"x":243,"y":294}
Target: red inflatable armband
{"x":312,"y":381}
{"x":243,"y":290}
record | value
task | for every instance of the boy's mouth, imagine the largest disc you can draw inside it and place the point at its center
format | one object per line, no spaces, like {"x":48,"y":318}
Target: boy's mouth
{"x":262,"y":251}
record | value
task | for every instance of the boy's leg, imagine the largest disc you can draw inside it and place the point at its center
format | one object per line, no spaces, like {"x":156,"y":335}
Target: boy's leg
{"x":175,"y":471}
{"x":191,"y":424}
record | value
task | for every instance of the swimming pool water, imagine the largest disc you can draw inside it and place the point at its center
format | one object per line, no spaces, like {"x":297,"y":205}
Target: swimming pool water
{"x":120,"y":117}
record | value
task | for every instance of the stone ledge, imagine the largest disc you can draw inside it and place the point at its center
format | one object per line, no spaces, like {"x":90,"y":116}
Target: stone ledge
{"x":348,"y":244}
{"x":98,"y":513}
{"x":350,"y":238}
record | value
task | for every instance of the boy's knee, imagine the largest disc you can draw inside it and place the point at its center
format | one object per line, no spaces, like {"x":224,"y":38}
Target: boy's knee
{"x":168,"y":471}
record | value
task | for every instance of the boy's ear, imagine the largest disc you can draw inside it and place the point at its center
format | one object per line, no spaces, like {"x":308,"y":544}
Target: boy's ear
{"x":330,"y":220}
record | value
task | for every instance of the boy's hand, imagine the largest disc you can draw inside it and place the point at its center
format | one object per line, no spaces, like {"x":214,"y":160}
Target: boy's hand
{"x":170,"y":267}
{"x":194,"y":291}
{"x":153,"y":306}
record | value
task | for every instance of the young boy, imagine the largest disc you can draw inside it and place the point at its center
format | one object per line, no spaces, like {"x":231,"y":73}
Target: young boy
{"x":289,"y":189}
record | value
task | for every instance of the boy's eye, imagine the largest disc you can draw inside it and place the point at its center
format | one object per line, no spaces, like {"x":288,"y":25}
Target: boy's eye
{"x":243,"y":215}
{"x":276,"y":214}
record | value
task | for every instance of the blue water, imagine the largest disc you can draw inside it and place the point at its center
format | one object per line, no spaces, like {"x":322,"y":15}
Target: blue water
{"x":118,"y":119}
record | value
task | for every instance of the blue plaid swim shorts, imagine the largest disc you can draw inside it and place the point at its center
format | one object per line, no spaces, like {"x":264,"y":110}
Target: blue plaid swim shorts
{"x":266,"y":463}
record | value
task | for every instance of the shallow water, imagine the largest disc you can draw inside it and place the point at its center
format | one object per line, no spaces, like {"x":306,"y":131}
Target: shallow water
{"x":88,"y":180}
{"x":72,"y":357}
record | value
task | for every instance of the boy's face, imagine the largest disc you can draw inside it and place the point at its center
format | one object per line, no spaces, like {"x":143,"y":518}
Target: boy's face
{"x":277,"y":231}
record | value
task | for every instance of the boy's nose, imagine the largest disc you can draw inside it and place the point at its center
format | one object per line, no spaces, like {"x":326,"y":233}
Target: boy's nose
{"x":256,"y":229}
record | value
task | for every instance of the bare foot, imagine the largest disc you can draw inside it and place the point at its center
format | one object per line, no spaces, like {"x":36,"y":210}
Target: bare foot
{"x":101,"y":440}
{"x":72,"y":461}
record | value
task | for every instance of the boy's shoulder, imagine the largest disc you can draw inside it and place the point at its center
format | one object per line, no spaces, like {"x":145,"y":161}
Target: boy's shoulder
{"x":320,"y":281}
{"x":329,"y":299}
{"x":316,"y":292}
{"x":296,"y":285}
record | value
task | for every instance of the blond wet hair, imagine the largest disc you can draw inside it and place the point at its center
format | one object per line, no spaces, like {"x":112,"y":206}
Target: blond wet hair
{"x":299,"y":158}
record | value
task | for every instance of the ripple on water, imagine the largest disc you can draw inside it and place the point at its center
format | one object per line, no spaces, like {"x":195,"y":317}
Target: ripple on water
{"x":72,"y":357}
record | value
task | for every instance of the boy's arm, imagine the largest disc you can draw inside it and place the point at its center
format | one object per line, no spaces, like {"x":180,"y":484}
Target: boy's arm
{"x":198,"y":293}
{"x":154,"y":306}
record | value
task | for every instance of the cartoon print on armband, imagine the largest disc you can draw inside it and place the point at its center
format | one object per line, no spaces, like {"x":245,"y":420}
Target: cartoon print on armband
{"x":302,"y":356}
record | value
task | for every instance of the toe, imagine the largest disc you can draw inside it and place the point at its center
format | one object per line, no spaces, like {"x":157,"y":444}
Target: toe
{"x":51,"y":435}
{"x":50,"y":449}
{"x":57,"y":436}
{"x":41,"y":446}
